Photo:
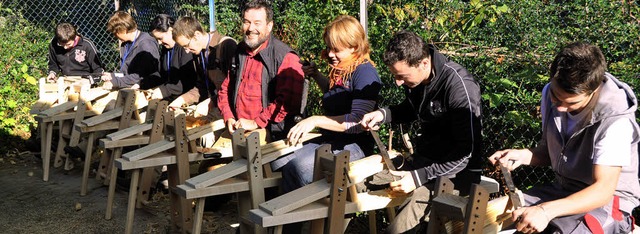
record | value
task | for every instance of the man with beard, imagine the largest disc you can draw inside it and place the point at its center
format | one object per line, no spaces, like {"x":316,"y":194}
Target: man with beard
{"x":72,"y":55}
{"x":265,"y":90}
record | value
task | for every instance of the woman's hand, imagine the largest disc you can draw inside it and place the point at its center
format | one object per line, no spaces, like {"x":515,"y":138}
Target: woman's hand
{"x":300,"y":130}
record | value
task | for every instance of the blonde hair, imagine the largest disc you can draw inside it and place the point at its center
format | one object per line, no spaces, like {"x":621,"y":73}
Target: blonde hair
{"x":346,"y":32}
{"x":120,"y":22}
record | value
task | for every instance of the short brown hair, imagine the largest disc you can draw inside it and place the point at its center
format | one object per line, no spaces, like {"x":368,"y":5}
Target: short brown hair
{"x":186,"y":27}
{"x":579,"y":68}
{"x":120,"y":22}
{"x":65,"y":32}
{"x":259,"y":4}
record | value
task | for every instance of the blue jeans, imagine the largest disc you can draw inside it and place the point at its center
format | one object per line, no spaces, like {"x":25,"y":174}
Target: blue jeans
{"x":297,"y":169}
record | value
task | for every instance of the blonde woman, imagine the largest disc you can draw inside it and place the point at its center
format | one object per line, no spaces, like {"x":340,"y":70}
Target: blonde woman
{"x":350,"y":91}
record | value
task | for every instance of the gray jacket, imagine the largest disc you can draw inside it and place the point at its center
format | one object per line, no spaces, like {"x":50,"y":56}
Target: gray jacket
{"x":572,"y":159}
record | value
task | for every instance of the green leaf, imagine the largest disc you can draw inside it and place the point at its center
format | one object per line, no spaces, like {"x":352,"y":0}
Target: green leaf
{"x":508,"y":82}
{"x":12,"y":104}
{"x":30,"y":79}
{"x":24,"y":68}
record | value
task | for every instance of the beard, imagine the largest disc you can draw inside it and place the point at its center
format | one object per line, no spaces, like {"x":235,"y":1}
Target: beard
{"x":256,"y":42}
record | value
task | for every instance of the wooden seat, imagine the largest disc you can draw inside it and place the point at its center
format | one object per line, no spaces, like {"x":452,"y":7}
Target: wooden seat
{"x":247,"y":175}
{"x":64,"y":113}
{"x":472,"y":214}
{"x":178,"y":148}
{"x":127,"y":112}
{"x":327,"y":198}
{"x":148,"y":132}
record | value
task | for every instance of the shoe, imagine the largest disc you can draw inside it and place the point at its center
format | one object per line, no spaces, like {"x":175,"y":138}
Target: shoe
{"x":74,"y":152}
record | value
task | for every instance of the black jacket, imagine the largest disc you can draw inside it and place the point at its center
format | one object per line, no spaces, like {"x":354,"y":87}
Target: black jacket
{"x":141,"y":65}
{"x":81,"y":60}
{"x":448,"y":109}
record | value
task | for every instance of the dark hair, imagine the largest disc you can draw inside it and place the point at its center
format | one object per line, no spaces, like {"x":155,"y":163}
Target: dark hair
{"x":121,"y":22}
{"x":579,"y":68}
{"x":65,"y":32}
{"x":406,"y":46}
{"x":162,"y":23}
{"x":186,"y":27}
{"x":257,"y":4}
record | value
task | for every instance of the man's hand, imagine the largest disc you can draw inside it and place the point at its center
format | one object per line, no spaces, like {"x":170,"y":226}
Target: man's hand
{"x":511,"y":158}
{"x":106,"y":76}
{"x":107,"y":85}
{"x":231,"y":125}
{"x":135,"y":86}
{"x":246,"y":124}
{"x":371,"y":120}
{"x":300,"y":130}
{"x":309,"y":68}
{"x":51,"y":77}
{"x":530,"y":219}
{"x":404,"y":185}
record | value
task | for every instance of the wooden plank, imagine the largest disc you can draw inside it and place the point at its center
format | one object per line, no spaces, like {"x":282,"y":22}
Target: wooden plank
{"x":489,"y":184}
{"x":153,"y":161}
{"x":228,"y":186}
{"x":127,"y":132}
{"x":149,"y":150}
{"x":40,"y":106}
{"x":320,"y":209}
{"x":59,"y":108}
{"x":215,"y":176}
{"x":107,"y":125}
{"x":297,"y":198}
{"x":109,"y":115}
{"x":131,"y":141}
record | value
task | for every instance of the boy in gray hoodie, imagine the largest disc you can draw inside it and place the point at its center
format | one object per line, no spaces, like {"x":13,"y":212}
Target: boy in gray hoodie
{"x":590,"y":140}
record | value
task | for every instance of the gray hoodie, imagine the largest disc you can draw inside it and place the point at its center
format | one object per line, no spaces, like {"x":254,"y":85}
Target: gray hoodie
{"x":572,"y":159}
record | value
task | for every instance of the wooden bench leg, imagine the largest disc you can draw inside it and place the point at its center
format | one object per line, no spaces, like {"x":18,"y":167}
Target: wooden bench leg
{"x":197,"y":217}
{"x":131,"y":204}
{"x":87,"y":164}
{"x":112,"y":187}
{"x":47,"y":132}
{"x":65,"y":129}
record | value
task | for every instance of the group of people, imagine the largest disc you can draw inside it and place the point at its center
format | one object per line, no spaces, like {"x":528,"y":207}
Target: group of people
{"x":589,"y":132}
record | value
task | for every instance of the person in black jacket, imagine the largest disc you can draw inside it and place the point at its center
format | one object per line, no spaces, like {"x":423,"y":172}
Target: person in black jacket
{"x":139,"y":57}
{"x":72,"y":55}
{"x":445,"y":99}
{"x":177,"y":66}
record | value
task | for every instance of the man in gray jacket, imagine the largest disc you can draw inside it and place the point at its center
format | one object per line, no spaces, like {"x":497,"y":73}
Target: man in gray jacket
{"x":590,"y":140}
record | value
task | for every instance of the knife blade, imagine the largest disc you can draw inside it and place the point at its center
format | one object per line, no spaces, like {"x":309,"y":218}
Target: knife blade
{"x":383,"y":151}
{"x":508,"y":180}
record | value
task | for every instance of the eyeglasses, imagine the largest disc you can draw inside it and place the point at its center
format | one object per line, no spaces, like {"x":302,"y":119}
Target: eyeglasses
{"x":190,"y":40}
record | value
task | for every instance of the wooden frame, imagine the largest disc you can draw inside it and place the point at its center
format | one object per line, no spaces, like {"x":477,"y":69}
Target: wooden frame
{"x":65,"y":114}
{"x":125,"y":113}
{"x":325,"y":198}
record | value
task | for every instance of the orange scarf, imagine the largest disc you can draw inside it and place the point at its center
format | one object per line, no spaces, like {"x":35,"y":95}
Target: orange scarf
{"x":342,"y":72}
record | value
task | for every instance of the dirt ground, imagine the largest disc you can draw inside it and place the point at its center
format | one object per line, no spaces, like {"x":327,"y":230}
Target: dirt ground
{"x":31,"y":205}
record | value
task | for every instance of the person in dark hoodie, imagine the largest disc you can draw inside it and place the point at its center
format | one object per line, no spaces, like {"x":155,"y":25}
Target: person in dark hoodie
{"x":177,"y":66}
{"x":139,"y":56}
{"x":445,"y":99}
{"x":590,"y":140}
{"x":72,"y":55}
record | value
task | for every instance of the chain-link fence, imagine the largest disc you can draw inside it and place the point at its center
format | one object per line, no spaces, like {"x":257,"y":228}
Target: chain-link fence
{"x":507,"y":44}
{"x":91,"y":17}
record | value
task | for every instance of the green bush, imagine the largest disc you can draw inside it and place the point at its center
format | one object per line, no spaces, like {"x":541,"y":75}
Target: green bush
{"x":23,"y":59}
